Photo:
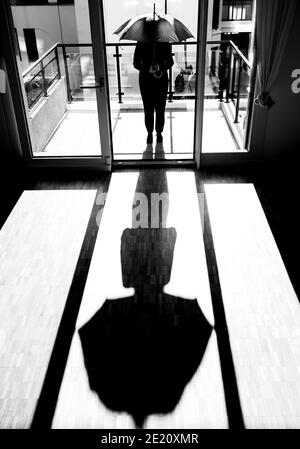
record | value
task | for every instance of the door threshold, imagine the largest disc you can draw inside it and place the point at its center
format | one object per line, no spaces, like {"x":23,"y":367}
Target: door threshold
{"x":119,"y":165}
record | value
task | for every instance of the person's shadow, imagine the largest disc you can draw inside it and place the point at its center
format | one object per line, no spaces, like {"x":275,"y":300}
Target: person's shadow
{"x":140,"y":352}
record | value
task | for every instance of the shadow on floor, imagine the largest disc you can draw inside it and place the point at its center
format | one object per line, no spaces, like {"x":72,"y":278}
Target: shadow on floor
{"x":140,"y":352}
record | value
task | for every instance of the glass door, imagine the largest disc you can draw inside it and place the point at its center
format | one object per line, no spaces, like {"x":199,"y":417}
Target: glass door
{"x":127,"y":104}
{"x":62,"y":66}
{"x":229,"y":79}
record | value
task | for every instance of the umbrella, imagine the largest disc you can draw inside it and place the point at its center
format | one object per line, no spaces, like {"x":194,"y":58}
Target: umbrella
{"x":156,"y":27}
{"x":141,"y":352}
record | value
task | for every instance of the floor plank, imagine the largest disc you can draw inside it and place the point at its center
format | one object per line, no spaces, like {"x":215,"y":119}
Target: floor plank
{"x":39,"y":246}
{"x":261,"y":307}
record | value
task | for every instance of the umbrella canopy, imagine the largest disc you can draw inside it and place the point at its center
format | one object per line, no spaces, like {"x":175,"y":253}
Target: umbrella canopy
{"x":140,"y":357}
{"x":157,"y":28}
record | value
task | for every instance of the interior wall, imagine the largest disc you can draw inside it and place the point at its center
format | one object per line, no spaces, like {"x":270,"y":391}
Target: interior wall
{"x":4,"y":137}
{"x":10,"y":148}
{"x":52,"y":24}
{"x":283,"y":125}
{"x":276,"y":133}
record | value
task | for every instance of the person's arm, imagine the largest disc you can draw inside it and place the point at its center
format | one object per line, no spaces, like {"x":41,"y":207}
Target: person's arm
{"x":137,"y":58}
{"x":169,"y":62}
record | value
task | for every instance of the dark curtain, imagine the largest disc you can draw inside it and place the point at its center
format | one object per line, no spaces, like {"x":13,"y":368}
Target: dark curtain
{"x":273,"y":23}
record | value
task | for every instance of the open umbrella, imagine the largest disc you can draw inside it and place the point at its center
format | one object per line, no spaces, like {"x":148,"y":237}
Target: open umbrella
{"x":153,"y":28}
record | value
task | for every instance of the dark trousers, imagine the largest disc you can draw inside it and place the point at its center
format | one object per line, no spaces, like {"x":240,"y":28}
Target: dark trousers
{"x":154,"y":94}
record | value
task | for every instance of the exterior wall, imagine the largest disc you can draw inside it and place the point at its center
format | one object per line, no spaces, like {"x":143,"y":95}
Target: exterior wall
{"x":47,"y":115}
{"x":68,"y":24}
{"x":117,"y":11}
{"x":82,"y":21}
{"x":209,"y":20}
{"x":241,"y":26}
{"x":52,"y":24}
{"x":237,"y":26}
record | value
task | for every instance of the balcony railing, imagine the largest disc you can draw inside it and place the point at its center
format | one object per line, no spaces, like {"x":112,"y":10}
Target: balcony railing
{"x":227,"y":73}
{"x":234,"y":76}
{"x":40,"y":76}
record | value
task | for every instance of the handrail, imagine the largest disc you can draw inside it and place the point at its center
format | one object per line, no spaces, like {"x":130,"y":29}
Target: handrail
{"x":241,"y":55}
{"x":126,"y":44}
{"x":220,"y":42}
{"x":129,"y":44}
{"x":232,"y":61}
{"x":74,"y":45}
{"x":40,"y":59}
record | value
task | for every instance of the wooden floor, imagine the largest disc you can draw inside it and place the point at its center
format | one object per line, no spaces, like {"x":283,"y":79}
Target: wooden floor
{"x":39,"y":247}
{"x":236,"y":253}
{"x":261,"y":306}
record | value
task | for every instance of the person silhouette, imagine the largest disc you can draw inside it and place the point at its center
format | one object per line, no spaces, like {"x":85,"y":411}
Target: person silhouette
{"x":153,"y":60}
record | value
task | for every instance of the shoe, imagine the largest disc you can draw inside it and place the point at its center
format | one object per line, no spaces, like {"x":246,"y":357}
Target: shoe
{"x":159,"y":138}
{"x":150,"y":138}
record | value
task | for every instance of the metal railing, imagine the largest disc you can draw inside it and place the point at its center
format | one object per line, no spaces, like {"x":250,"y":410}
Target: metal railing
{"x":228,"y":72}
{"x":234,"y":76}
{"x":173,"y":93}
{"x":41,"y":75}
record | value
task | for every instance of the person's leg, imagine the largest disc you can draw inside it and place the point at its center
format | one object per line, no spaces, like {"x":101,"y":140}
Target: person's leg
{"x":147,"y":97}
{"x":160,"y":104}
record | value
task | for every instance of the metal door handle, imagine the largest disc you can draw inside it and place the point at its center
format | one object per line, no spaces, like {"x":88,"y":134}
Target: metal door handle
{"x":96,"y":86}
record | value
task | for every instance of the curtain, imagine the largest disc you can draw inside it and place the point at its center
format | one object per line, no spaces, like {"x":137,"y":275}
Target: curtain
{"x":273,"y":22}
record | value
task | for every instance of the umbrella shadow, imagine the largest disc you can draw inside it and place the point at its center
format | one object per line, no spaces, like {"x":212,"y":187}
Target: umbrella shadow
{"x":141,"y":352}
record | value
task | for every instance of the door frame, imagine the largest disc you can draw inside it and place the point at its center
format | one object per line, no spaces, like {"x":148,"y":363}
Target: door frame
{"x":101,"y":79}
{"x":105,"y":162}
{"x":101,"y":162}
{"x":241,"y":158}
{"x":194,"y":162}
{"x":200,"y":81}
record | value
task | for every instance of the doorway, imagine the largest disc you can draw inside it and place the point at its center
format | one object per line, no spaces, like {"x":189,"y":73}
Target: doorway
{"x":129,"y":134}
